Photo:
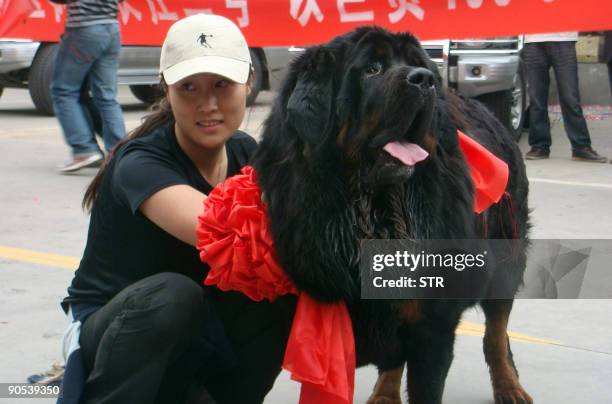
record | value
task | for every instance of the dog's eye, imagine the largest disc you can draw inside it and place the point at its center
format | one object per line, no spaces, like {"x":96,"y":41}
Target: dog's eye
{"x":373,"y":69}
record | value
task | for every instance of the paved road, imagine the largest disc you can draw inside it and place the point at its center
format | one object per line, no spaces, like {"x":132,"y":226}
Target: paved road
{"x":563,"y":348}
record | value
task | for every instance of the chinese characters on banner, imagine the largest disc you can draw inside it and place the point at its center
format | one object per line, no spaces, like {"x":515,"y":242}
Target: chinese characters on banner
{"x":305,"y":22}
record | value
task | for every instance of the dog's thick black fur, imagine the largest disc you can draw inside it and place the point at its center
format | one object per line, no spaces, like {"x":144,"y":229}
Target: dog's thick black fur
{"x":328,"y":184}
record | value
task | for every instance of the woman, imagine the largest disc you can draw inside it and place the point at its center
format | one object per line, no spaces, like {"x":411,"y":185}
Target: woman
{"x":150,"y":332}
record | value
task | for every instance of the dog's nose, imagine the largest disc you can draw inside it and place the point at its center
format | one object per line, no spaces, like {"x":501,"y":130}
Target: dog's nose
{"x":420,"y":77}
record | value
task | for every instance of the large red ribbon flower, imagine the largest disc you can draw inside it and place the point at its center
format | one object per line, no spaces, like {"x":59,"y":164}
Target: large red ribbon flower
{"x":234,"y":239}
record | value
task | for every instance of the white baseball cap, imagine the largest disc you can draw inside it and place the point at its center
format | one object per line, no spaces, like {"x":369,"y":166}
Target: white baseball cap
{"x":204,"y":43}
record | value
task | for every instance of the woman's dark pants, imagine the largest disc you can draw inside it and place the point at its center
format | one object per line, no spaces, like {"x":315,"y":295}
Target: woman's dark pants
{"x":152,"y":343}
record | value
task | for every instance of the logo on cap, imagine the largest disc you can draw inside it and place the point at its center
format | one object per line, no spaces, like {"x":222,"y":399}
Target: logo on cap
{"x":202,"y":40}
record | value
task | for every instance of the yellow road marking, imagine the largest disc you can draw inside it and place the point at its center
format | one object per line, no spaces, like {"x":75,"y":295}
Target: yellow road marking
{"x":477,"y":330}
{"x":52,"y":130}
{"x":35,"y":257}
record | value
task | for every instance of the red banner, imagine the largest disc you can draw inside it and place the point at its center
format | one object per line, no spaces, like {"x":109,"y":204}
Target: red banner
{"x":305,"y":22}
{"x":11,"y":12}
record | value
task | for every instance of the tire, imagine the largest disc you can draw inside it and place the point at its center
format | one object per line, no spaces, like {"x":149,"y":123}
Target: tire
{"x":500,"y":104}
{"x":147,"y":93}
{"x":519,"y":113}
{"x":258,"y":78}
{"x":1,"y":90}
{"x":39,"y":78}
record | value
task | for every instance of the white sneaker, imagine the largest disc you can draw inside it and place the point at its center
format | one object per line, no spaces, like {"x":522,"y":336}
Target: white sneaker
{"x":81,"y":161}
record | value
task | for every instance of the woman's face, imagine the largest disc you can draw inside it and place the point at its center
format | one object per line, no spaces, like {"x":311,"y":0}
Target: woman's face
{"x":208,"y":109}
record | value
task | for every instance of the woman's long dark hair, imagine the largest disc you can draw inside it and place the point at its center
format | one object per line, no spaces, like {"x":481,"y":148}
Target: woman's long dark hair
{"x":160,"y":114}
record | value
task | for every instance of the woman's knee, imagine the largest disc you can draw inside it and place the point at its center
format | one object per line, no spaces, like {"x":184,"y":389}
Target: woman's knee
{"x":175,"y":302}
{"x":175,"y":288}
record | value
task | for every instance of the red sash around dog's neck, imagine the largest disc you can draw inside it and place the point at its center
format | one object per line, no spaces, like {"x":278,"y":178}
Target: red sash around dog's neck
{"x":489,"y":173}
{"x":234,"y":239}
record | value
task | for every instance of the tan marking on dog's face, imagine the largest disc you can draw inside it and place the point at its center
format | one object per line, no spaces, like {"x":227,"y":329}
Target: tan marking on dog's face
{"x":429,"y":143}
{"x":341,"y":138}
{"x":356,"y":147}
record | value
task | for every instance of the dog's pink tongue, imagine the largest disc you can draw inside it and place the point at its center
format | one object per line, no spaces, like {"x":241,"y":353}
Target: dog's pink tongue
{"x":407,"y":153}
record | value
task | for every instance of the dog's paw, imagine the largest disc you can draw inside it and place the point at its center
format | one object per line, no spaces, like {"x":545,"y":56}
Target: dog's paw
{"x":514,"y":395}
{"x":384,"y":400}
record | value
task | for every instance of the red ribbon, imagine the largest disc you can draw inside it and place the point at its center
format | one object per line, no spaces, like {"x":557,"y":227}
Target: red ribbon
{"x":489,"y":173}
{"x":234,"y":239}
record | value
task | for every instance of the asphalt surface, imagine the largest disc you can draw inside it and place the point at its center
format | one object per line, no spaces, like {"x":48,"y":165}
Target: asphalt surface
{"x":562,"y":348}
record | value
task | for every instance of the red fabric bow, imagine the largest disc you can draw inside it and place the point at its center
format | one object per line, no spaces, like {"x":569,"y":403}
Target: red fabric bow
{"x":234,"y":239}
{"x":489,"y":173}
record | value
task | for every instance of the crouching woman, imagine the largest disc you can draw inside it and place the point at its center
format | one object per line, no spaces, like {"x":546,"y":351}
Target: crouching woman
{"x":149,"y":330}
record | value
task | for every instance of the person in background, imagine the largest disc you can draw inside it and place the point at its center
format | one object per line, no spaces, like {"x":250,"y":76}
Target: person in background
{"x":540,"y":53}
{"x":89,"y":48}
{"x":143,"y":327}
{"x":91,"y":110}
{"x":607,"y":57}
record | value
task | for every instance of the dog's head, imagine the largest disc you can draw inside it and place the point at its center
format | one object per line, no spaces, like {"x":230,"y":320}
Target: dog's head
{"x":355,"y":117}
{"x":369,"y":94}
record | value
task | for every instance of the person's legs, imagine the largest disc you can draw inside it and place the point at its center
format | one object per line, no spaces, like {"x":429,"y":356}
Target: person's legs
{"x":74,"y":59}
{"x":565,"y":66}
{"x":537,"y":66}
{"x":91,"y":111}
{"x":104,"y":87}
{"x":130,"y":344}
{"x":610,"y":78}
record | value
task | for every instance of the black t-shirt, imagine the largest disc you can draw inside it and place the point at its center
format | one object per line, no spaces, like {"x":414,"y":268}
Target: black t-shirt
{"x":123,"y":246}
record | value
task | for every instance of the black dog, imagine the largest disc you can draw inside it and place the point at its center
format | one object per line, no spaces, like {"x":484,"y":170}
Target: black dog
{"x":328,"y":184}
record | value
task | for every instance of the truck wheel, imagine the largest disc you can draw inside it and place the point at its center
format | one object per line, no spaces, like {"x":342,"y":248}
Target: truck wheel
{"x":39,"y":78}
{"x":1,"y":90}
{"x":519,"y":105}
{"x":500,"y":104}
{"x":147,"y":93}
{"x":257,"y":79}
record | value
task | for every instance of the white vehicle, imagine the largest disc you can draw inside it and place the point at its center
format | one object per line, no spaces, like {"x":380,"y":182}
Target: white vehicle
{"x":488,"y":70}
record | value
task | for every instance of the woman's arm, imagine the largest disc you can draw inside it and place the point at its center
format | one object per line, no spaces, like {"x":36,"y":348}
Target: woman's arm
{"x":175,"y":209}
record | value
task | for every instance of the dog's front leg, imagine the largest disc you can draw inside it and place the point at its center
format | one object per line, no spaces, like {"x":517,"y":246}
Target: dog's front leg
{"x":388,"y":387}
{"x":429,"y":362}
{"x":504,"y":376}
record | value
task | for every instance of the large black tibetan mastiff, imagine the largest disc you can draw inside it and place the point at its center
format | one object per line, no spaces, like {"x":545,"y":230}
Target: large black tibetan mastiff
{"x":329,"y":183}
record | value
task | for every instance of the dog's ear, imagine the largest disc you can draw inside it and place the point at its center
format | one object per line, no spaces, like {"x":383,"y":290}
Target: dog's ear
{"x":310,"y":105}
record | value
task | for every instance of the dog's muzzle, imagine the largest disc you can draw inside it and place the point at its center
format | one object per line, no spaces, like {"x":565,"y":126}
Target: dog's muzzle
{"x":408,"y":116}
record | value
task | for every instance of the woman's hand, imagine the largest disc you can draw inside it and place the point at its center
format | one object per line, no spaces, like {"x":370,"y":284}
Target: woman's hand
{"x":176,"y":209}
